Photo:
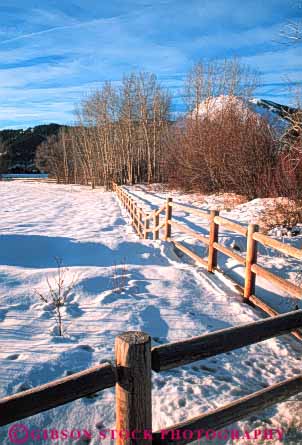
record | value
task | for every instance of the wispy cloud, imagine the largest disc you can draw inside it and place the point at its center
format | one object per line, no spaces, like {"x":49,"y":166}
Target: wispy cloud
{"x":52,"y":55}
{"x":50,"y":30}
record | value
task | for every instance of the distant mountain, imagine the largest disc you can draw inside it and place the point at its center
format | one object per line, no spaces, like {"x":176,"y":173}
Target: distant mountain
{"x":277,"y":115}
{"x":283,"y":111}
{"x":18,"y":147}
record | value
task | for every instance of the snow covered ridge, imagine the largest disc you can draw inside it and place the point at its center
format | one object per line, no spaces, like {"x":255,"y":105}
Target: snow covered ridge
{"x":168,"y":298}
{"x":276,"y":114}
{"x":213,"y":105}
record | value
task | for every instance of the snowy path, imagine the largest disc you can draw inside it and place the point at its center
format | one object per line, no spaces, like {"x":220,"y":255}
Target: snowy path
{"x":162,"y":296}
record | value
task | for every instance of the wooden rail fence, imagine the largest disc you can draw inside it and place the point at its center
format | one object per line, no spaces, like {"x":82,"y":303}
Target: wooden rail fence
{"x":131,"y":376}
{"x":162,"y":218}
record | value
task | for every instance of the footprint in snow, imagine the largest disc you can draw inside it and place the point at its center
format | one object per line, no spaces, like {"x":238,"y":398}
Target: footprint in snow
{"x":182,"y":403}
{"x":67,"y":373}
{"x":91,"y":397}
{"x":207,"y":368}
{"x":3,"y":313}
{"x":103,"y":361}
{"x":13,"y":357}
{"x":157,"y":340}
{"x":112,"y":298}
{"x":86,"y":348}
{"x":22,"y":387}
{"x":160,"y":384}
{"x":74,"y":310}
{"x":195,"y":368}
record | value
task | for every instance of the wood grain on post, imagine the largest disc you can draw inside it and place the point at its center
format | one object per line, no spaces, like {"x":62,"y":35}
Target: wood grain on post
{"x":168,"y":219}
{"x":251,"y":258}
{"x":135,"y":216}
{"x":140,"y":221}
{"x":156,"y":224}
{"x":131,"y":210}
{"x":213,"y":238}
{"x":146,"y":227}
{"x":133,"y":388}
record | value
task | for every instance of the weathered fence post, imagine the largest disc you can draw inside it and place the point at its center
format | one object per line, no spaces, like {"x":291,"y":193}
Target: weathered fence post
{"x":131,"y":210}
{"x":168,"y":218}
{"x":133,"y":389}
{"x":251,"y":258}
{"x":135,"y":216}
{"x":146,"y":226}
{"x":213,"y":238}
{"x":155,"y":224}
{"x":140,"y":221}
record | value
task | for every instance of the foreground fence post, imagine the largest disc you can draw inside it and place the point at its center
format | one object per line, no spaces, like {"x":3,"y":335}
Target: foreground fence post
{"x":168,"y":218}
{"x":133,"y":389}
{"x":251,"y":258}
{"x":213,"y":238}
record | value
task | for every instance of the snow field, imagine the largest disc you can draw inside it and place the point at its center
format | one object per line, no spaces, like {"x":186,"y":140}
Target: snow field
{"x":162,"y":295}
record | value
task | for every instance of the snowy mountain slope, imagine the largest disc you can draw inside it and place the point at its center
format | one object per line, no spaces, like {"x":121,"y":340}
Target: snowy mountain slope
{"x":278,"y":109}
{"x":161,"y":295}
{"x":274,"y":113}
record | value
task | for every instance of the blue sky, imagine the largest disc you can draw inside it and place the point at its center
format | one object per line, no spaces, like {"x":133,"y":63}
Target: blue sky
{"x":54,"y":52}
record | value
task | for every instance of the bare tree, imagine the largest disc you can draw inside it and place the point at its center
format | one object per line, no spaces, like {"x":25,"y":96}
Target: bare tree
{"x":119,"y":136}
{"x":221,"y":145}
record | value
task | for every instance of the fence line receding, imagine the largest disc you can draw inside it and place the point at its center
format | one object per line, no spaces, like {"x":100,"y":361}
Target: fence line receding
{"x":162,"y":218}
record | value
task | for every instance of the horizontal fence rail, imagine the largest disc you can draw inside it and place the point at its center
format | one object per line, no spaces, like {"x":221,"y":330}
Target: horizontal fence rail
{"x":56,"y":393}
{"x":214,"y":221}
{"x":131,"y":376}
{"x":176,"y":354}
{"x":187,"y":432}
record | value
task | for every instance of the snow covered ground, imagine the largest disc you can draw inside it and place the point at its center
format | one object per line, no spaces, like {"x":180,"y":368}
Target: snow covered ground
{"x":160,"y":294}
{"x":242,"y":213}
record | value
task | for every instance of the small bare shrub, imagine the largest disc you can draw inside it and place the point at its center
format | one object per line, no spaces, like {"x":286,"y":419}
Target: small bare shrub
{"x":119,"y":277}
{"x":58,"y":291}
